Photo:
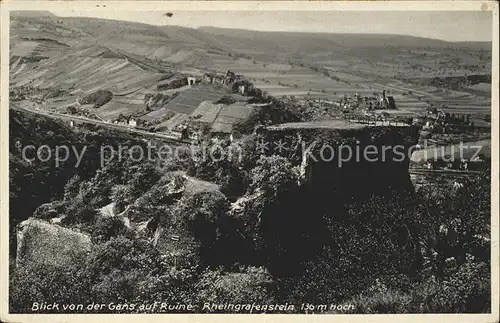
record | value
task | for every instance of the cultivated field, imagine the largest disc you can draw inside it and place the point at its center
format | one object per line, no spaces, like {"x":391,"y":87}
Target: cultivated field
{"x":187,"y":101}
{"x":78,"y":56}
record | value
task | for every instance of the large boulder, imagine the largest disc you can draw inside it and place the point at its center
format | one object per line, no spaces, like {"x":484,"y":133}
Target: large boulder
{"x":41,"y":242}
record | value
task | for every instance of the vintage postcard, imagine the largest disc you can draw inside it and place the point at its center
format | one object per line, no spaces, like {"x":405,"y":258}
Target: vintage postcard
{"x":249,"y":161}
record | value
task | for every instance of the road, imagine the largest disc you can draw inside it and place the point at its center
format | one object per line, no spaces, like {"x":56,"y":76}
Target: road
{"x":421,"y":177}
{"x":462,"y":150}
{"x":119,"y":127}
{"x":404,"y":89}
{"x":449,"y":172}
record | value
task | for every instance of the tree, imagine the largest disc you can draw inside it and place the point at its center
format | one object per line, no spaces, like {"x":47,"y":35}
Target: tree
{"x":107,"y":227}
{"x":272,"y":176}
{"x":199,"y":214}
{"x":122,"y":196}
{"x":71,"y":188}
{"x":456,"y":223}
{"x":369,"y":239}
{"x":220,"y":162}
{"x":277,"y":112}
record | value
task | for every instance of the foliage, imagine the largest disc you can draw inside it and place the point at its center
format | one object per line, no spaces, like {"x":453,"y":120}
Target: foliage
{"x":277,"y":112}
{"x":97,"y":98}
{"x":70,"y":284}
{"x":107,"y":227}
{"x":455,"y":223}
{"x":220,"y":162}
{"x":253,"y":284}
{"x":72,"y":187}
{"x":200,"y":213}
{"x":380,"y":299}
{"x":172,"y":286}
{"x":462,"y":291}
{"x":420,"y":252}
{"x":273,"y":176}
{"x":34,"y":183}
{"x":227,"y":99}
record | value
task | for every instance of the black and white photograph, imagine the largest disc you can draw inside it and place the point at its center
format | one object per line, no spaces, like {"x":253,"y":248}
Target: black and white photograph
{"x":268,"y":160}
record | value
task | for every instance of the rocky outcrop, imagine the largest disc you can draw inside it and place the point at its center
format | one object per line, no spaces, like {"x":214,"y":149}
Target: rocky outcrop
{"x":348,"y":160}
{"x":189,"y":236}
{"x":41,"y":242}
{"x":178,"y":216}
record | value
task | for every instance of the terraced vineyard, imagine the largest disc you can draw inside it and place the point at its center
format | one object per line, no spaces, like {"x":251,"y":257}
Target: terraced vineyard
{"x":78,"y":56}
{"x":187,"y":101}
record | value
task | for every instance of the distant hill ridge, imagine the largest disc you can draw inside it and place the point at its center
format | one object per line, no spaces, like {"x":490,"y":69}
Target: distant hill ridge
{"x":31,"y":13}
{"x":224,"y":38}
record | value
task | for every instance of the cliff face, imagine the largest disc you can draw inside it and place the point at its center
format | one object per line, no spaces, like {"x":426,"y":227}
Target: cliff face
{"x":348,"y":160}
{"x":366,"y":161}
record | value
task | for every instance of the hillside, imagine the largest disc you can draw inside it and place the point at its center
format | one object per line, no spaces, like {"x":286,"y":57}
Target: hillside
{"x":212,"y":38}
{"x":288,"y":40}
{"x":276,"y":212}
{"x":146,"y":231}
{"x":82,"y":55}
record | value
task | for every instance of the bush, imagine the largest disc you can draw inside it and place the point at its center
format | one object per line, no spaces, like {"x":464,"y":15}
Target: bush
{"x":273,"y":176}
{"x":386,"y":301}
{"x":226,"y":100}
{"x":69,"y":284}
{"x":466,"y":290}
{"x":454,"y":223}
{"x":173,"y":286}
{"x":107,"y":227}
{"x":98,"y":98}
{"x":49,"y":210}
{"x":251,"y":285}
{"x":278,"y":112}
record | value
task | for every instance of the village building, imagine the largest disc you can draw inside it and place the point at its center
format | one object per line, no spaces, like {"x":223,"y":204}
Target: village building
{"x":208,"y":78}
{"x":391,"y":103}
{"x":218,"y":79}
{"x":178,"y":133}
{"x":132,"y":122}
{"x":191,"y":80}
{"x":195,"y":135}
{"x":230,"y":77}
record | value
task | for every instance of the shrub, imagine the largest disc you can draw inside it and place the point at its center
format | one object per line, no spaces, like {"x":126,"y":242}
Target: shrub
{"x":278,"y":112}
{"x":97,"y":98}
{"x":107,"y":227}
{"x":226,"y":100}
{"x":466,"y":290}
{"x":68,"y":284}
{"x":253,"y":284}
{"x":386,"y":301}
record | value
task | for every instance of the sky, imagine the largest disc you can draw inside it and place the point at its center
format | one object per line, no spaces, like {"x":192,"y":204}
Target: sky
{"x":444,"y":25}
